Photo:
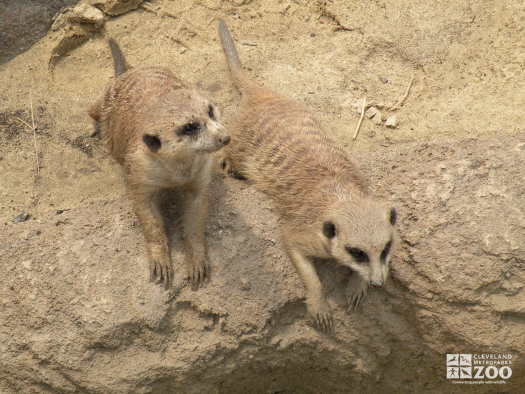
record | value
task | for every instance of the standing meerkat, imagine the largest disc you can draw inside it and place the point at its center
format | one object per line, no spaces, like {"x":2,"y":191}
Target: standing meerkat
{"x":324,"y":203}
{"x":162,"y":133}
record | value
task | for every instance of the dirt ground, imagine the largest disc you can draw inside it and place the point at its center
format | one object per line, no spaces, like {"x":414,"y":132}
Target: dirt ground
{"x":467,"y":61}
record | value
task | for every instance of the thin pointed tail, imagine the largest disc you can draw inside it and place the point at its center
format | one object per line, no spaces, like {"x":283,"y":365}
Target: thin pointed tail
{"x":232,"y":57}
{"x":119,"y":61}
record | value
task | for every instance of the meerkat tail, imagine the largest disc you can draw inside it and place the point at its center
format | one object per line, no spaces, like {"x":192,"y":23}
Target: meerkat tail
{"x":119,"y":61}
{"x":232,"y":57}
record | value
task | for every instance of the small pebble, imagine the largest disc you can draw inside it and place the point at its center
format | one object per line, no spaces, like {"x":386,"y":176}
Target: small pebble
{"x":378,"y":118}
{"x":391,"y":122}
{"x":245,"y":285}
{"x":371,"y":112}
{"x":21,"y":218}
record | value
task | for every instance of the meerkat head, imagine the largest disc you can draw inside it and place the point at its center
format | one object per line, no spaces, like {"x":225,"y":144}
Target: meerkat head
{"x":361,"y":235}
{"x":183,"y":123}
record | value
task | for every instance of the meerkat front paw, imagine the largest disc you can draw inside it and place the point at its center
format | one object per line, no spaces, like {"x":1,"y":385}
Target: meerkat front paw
{"x":198,"y":271}
{"x":224,"y":163}
{"x":160,"y":266}
{"x":227,"y":167}
{"x":319,"y":311}
{"x":355,"y":292}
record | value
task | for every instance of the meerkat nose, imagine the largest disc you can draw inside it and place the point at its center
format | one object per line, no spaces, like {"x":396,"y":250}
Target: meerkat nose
{"x":225,"y":140}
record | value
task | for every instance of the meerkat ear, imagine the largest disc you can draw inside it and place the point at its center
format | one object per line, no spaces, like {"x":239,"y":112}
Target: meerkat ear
{"x":213,"y":112}
{"x":393,"y":216}
{"x":152,"y":142}
{"x":329,"y":229}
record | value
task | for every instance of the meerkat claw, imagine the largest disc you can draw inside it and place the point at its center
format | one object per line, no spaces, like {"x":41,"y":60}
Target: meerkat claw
{"x":168,"y":277}
{"x":355,"y":299}
{"x":324,"y":322}
{"x":161,"y":273}
{"x":322,"y":317}
{"x":199,"y":273}
{"x":152,"y":271}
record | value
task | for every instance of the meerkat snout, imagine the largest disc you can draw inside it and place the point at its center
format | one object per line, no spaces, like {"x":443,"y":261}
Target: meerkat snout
{"x":213,"y":138}
{"x":219,"y":134}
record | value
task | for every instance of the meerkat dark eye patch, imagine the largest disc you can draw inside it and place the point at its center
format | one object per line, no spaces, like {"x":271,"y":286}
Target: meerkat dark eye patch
{"x":329,"y":230}
{"x":211,"y":112}
{"x":358,"y":254}
{"x":152,"y":142}
{"x":393,"y":216}
{"x":190,"y":129}
{"x":385,"y":251}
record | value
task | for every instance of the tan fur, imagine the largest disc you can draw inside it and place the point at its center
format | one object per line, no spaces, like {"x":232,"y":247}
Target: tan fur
{"x":152,"y":101}
{"x":282,"y":148}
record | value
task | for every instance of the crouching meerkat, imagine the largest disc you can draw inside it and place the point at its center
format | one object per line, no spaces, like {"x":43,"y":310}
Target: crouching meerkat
{"x":162,"y":133}
{"x":324,"y":203}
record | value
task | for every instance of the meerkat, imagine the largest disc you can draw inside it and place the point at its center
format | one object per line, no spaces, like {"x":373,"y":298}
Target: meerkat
{"x":325,"y":205}
{"x":163,"y":134}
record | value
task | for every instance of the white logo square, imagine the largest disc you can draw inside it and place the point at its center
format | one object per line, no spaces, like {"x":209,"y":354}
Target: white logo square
{"x":465,"y":372}
{"x":465,"y":360}
{"x":452,"y":373}
{"x":452,"y":359}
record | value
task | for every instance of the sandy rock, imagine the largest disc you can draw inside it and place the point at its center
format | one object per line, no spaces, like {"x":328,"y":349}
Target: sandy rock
{"x":84,"y":318}
{"x":97,"y":312}
{"x":85,"y":13}
{"x":70,"y":37}
{"x":73,"y":27}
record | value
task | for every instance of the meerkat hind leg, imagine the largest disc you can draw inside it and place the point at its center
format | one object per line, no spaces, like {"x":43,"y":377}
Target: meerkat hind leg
{"x":356,"y":291}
